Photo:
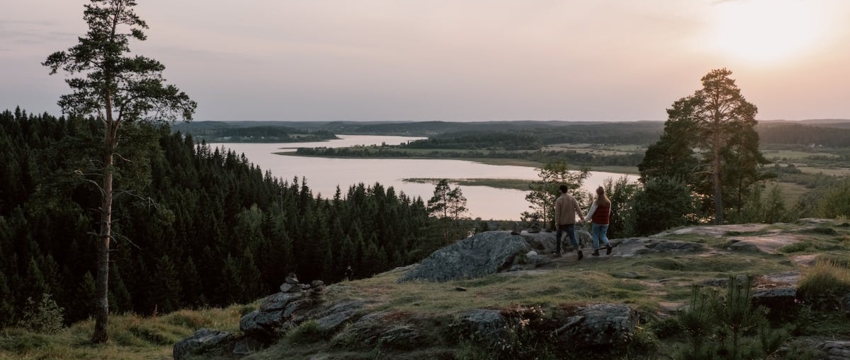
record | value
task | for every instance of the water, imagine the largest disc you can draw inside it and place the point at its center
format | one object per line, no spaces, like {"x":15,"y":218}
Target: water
{"x":325,"y":174}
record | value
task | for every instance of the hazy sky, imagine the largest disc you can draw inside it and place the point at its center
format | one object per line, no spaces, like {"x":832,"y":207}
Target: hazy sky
{"x":457,"y":59}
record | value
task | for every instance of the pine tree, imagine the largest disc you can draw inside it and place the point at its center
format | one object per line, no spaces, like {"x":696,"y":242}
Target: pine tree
{"x":190,"y":281}
{"x":7,"y":309}
{"x":118,"y":89}
{"x":166,"y":286}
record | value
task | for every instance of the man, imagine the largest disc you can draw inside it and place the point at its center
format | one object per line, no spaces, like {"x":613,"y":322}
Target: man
{"x":566,"y":209}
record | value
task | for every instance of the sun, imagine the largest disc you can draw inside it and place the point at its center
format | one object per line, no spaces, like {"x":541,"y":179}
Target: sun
{"x":766,"y":31}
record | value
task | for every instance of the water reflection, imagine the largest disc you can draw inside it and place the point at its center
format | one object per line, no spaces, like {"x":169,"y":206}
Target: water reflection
{"x":323,"y":175}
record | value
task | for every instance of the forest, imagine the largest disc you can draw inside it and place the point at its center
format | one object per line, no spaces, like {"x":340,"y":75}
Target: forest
{"x":219,"y":132}
{"x":194,"y":225}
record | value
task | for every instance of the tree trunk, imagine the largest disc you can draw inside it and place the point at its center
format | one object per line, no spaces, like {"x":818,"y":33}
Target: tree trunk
{"x":101,"y":316}
{"x":718,"y":193}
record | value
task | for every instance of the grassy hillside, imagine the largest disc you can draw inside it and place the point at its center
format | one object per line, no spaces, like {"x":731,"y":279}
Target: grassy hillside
{"x":656,"y":285}
{"x":132,"y":337}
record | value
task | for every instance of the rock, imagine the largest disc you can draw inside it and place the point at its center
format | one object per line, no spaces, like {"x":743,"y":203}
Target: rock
{"x":247,"y":346}
{"x":835,"y":350}
{"x":330,"y":319}
{"x":781,"y":301}
{"x":317,"y":283}
{"x":298,"y":306}
{"x":629,"y":247}
{"x":543,"y":242}
{"x":583,"y":237}
{"x":531,"y":253}
{"x":304,"y":286}
{"x":597,"y":325}
{"x":290,"y":288}
{"x":675,"y":246}
{"x":262,"y":325}
{"x":401,"y":337}
{"x":291,"y":279}
{"x":517,"y":229}
{"x":742,"y":246}
{"x":201,"y":341}
{"x":537,"y":260}
{"x":482,"y":254}
{"x":489,"y":324}
{"x":279,"y":301}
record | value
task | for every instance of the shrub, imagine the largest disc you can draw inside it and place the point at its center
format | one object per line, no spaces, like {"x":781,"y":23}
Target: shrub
{"x":825,"y":284}
{"x":666,"y":328}
{"x":44,"y":316}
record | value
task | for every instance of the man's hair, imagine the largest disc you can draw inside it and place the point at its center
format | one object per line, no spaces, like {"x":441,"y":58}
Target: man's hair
{"x":563,"y":189}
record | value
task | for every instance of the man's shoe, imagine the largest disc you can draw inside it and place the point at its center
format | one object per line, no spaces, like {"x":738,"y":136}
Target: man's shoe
{"x":608,"y":249}
{"x":580,"y":255}
{"x":556,"y":254}
{"x":595,"y":253}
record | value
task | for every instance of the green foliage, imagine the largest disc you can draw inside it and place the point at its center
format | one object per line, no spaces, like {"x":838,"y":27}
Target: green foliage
{"x":448,"y":206}
{"x":666,"y":328}
{"x":710,"y":143}
{"x":622,"y":193}
{"x":835,"y":201}
{"x":764,"y":208}
{"x":545,"y":191}
{"x":728,"y":326}
{"x":42,"y":316}
{"x":200,"y":205}
{"x":661,"y":204}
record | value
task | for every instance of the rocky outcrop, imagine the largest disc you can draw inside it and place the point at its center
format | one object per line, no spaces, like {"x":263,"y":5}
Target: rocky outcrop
{"x":598,"y":325}
{"x":835,"y":350}
{"x":642,"y":245}
{"x":488,"y":324}
{"x":201,"y":341}
{"x":482,"y":254}
{"x":391,"y":330}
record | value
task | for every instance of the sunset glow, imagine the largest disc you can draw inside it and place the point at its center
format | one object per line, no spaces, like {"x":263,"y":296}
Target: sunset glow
{"x":767,"y":31}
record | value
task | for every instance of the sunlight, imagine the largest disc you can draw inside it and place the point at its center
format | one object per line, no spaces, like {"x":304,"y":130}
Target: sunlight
{"x":766,"y":31}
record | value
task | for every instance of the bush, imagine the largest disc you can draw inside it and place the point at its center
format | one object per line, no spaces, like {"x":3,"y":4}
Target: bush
{"x":825,"y":284}
{"x":44,"y":316}
{"x":666,"y":328}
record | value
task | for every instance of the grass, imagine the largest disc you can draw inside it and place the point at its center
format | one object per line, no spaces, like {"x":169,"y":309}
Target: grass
{"x":131,"y":337}
{"x":825,"y":283}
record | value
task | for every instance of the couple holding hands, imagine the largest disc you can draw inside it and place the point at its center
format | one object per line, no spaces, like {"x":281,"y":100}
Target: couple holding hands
{"x":566,"y":209}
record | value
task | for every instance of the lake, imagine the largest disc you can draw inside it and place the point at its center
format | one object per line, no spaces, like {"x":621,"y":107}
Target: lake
{"x":325,"y":174}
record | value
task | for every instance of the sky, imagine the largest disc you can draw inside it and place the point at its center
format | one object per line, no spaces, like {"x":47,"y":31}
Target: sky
{"x":457,"y":60}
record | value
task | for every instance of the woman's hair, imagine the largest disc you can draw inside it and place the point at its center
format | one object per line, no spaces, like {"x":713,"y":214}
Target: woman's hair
{"x":601,"y":198}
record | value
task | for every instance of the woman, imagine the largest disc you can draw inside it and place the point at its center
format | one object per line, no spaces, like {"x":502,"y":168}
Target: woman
{"x":599,"y":214}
